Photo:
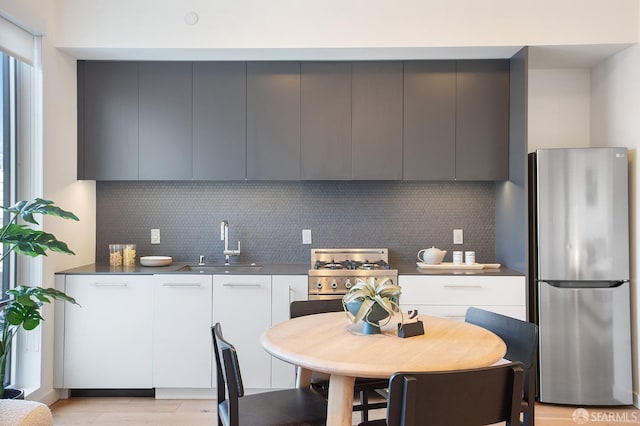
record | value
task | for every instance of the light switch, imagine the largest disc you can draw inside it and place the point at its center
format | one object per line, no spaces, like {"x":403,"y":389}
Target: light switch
{"x":457,"y":236}
{"x":306,"y":236}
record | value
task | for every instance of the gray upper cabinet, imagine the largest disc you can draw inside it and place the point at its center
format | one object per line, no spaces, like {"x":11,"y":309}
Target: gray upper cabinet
{"x":273,"y":120}
{"x":370,"y":120}
{"x":376,"y":139}
{"x":165,"y":90}
{"x":429,"y":120}
{"x":482,"y":120}
{"x":326,"y":120}
{"x":219,"y":120}
{"x":107,"y":120}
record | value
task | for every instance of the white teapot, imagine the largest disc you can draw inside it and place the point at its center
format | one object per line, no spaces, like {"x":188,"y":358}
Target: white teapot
{"x":431,"y":256}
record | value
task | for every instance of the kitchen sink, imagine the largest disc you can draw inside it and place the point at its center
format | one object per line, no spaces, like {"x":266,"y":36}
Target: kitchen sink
{"x":213,"y":269}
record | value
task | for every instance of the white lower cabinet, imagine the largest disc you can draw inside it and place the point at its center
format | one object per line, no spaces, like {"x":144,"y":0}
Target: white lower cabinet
{"x":284,"y":290}
{"x":154,"y":331}
{"x":107,"y":340}
{"x":451,"y":295}
{"x":242,"y":305}
{"x":182,"y":319}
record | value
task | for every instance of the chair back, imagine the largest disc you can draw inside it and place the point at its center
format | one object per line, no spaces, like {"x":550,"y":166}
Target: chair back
{"x":521,"y":338}
{"x":457,"y":398}
{"x":301,"y":308}
{"x":228,"y":373}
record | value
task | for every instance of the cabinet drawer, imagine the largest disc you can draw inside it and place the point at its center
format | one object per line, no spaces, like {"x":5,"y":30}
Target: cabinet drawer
{"x":458,"y":312}
{"x":462,"y":290}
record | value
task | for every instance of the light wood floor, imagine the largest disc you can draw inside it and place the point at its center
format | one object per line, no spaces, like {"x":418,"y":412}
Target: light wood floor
{"x":148,"y":411}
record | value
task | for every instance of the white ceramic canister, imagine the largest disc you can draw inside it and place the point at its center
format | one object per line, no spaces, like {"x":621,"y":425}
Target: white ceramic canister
{"x":470,"y":257}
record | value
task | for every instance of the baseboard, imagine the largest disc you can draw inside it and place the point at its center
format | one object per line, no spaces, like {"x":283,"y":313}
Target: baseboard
{"x":47,"y":397}
{"x":128,"y":393}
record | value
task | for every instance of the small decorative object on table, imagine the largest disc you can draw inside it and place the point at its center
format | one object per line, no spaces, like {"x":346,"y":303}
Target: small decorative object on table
{"x":410,"y":329}
{"x":371,"y":301}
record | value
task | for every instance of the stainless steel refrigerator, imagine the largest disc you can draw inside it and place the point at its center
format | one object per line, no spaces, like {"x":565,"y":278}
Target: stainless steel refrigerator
{"x":581,"y":275}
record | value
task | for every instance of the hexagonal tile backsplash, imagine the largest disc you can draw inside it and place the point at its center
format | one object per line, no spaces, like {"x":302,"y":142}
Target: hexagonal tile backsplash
{"x":268,"y":218}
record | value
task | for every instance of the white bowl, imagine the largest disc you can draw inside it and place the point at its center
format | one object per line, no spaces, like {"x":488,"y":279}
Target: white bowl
{"x":156,"y":260}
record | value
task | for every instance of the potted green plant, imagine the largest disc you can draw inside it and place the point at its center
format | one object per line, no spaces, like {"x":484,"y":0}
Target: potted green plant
{"x":371,"y":301}
{"x":23,"y":307}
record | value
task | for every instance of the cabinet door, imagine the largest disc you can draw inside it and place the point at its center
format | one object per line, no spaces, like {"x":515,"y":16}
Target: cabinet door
{"x":219,"y":120}
{"x":182,"y":319}
{"x":165,"y":120}
{"x":482,"y":120}
{"x":242,"y":305}
{"x":285,"y":289}
{"x":429,"y":120}
{"x":273,"y":120}
{"x":463,"y":290}
{"x":325,"y":120}
{"x":107,"y":120}
{"x":377,"y":120}
{"x":108,"y":338}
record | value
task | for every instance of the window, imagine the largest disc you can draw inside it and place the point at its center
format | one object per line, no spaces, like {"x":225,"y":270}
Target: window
{"x":7,"y":167}
{"x":7,"y":154}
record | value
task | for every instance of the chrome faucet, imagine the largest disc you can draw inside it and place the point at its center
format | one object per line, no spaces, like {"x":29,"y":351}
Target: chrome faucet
{"x":224,"y":236}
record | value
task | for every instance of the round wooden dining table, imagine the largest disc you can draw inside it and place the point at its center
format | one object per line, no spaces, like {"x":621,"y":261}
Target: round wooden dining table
{"x":328,"y":343}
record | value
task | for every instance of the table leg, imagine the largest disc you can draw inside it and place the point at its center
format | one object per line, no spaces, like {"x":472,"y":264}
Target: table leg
{"x":303,"y":378}
{"x":340,"y":404}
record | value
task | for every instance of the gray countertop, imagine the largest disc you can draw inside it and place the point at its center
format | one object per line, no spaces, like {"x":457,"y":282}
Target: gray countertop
{"x":412,"y":269}
{"x":287,"y":269}
{"x":94,"y":268}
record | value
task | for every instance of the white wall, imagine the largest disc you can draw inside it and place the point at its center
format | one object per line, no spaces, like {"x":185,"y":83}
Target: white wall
{"x":615,"y":108}
{"x":59,"y":139}
{"x":559,"y":108}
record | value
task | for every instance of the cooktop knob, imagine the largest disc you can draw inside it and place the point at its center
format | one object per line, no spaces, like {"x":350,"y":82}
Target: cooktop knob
{"x":334,"y":284}
{"x":348,"y":284}
{"x":319,"y":284}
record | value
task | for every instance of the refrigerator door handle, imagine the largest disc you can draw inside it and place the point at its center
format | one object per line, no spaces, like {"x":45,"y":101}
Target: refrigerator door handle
{"x":583,"y":284}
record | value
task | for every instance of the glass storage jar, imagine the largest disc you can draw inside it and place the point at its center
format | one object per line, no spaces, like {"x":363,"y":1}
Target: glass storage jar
{"x":115,"y":254}
{"x":129,"y":255}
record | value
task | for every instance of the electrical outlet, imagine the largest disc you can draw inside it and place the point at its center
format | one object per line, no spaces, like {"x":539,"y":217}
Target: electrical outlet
{"x":155,"y":236}
{"x":306,"y":236}
{"x":457,"y":236}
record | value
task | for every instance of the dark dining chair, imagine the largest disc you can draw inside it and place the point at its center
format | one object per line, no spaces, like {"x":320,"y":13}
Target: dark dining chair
{"x":283,"y":407}
{"x":479,"y":396}
{"x":320,"y":382}
{"x":521,"y":338}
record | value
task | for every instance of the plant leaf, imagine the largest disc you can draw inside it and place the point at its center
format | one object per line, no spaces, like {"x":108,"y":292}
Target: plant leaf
{"x":32,"y":242}
{"x":26,"y":210}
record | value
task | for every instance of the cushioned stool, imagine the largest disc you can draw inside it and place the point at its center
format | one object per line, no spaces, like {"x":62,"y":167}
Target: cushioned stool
{"x":18,"y":412}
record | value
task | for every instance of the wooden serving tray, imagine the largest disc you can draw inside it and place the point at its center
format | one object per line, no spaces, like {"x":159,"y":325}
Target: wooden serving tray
{"x":450,"y":265}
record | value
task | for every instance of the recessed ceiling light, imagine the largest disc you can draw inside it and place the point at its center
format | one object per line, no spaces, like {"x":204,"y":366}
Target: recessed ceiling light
{"x":191,"y":18}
